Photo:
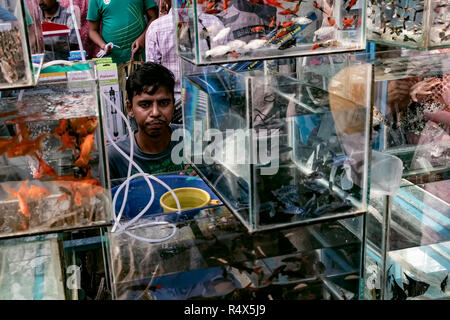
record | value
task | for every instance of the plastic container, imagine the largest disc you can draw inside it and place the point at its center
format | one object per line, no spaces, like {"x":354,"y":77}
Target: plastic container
{"x":386,"y":174}
{"x":139,"y":194}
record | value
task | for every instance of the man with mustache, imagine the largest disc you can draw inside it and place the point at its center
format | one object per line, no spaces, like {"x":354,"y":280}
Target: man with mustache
{"x":150,"y":103}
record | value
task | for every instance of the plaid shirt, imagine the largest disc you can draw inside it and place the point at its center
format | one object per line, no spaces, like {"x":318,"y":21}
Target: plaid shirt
{"x":160,"y":44}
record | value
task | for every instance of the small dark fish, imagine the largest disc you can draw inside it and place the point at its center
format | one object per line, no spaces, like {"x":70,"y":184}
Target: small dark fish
{"x":292,"y":259}
{"x":332,"y":207}
{"x":241,"y":267}
{"x":296,"y":274}
{"x":414,"y":287}
{"x":444,"y":284}
{"x":406,"y":38}
{"x":377,"y":33}
{"x":397,"y":292}
{"x":376,"y":293}
{"x":276,"y":272}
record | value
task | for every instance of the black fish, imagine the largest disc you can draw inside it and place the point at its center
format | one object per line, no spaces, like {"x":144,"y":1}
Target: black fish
{"x":397,"y":292}
{"x":332,"y":207}
{"x":444,"y":283}
{"x":406,"y":38}
{"x":292,"y":259}
{"x":415,"y":288}
{"x":288,"y":44}
{"x":276,"y":272}
{"x":296,"y":274}
{"x":376,"y":293}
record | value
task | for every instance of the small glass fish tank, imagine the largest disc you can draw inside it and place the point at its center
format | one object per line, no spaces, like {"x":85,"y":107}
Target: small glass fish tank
{"x":412,"y":95}
{"x":407,"y":253}
{"x":55,"y":266}
{"x":281,"y":143}
{"x":211,"y":32}
{"x":20,"y":38}
{"x":213,"y":257}
{"x":53,"y":171}
{"x":417,"y":24}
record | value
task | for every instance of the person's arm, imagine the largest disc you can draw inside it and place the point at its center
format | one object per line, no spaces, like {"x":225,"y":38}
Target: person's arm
{"x":152,"y":50}
{"x":139,"y":43}
{"x":94,"y":35}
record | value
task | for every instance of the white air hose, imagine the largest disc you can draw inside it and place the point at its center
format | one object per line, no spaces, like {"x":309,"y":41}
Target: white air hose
{"x":126,"y":185}
{"x":77,"y":32}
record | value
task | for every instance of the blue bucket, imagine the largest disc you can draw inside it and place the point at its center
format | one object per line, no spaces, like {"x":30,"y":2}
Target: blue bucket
{"x":139,"y":195}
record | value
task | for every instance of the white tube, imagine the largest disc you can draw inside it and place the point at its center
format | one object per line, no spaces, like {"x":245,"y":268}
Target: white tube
{"x":77,"y":32}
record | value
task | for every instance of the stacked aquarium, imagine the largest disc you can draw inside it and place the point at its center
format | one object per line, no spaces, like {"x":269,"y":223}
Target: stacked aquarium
{"x":407,"y":254}
{"x":21,"y":49}
{"x":213,"y":257}
{"x":419,"y":24}
{"x":283,"y":141}
{"x":278,"y":147}
{"x":53,"y":172}
{"x":54,"y":188}
{"x":241,"y":30}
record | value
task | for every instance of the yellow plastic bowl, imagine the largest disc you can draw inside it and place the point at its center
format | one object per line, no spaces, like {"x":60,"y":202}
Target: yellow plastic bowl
{"x":189,"y":198}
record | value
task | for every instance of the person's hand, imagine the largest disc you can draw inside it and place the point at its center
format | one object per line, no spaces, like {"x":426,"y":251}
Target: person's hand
{"x":188,"y":170}
{"x":439,"y":117}
{"x":107,"y":48}
{"x":137,"y":45}
{"x":423,"y":88}
{"x":398,"y":94}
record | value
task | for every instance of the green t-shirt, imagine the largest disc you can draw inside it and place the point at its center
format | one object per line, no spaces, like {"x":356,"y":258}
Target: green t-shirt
{"x":122,"y":22}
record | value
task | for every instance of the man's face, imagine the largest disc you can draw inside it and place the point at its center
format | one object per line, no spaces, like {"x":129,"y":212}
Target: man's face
{"x":152,"y":113}
{"x":47,"y":4}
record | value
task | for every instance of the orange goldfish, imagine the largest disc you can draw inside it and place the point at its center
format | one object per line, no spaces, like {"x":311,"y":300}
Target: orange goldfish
{"x":257,"y":29}
{"x":23,"y":131}
{"x":351,"y":4}
{"x":316,"y":5}
{"x":86,"y":148}
{"x":23,"y":207}
{"x":67,"y":142}
{"x":287,"y":24}
{"x":59,"y":131}
{"x":272,"y":23}
{"x":83,"y":126}
{"x":24,"y":193}
{"x":6,"y":144}
{"x":348,"y":22}
{"x":44,"y":169}
{"x":281,"y":34}
{"x":331,"y":21}
{"x":274,"y":3}
{"x":26,"y":147}
{"x":210,"y":5}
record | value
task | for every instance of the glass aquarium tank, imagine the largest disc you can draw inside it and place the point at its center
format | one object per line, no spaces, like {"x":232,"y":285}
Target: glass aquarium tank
{"x":56,"y":266}
{"x":53,"y":168}
{"x":408,"y":239}
{"x":281,"y":143}
{"x":21,"y":43}
{"x":419,"y":24}
{"x":244,"y":30}
{"x":213,"y":257}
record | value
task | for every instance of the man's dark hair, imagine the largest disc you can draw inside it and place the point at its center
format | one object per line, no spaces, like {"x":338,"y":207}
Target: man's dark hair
{"x":149,"y":75}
